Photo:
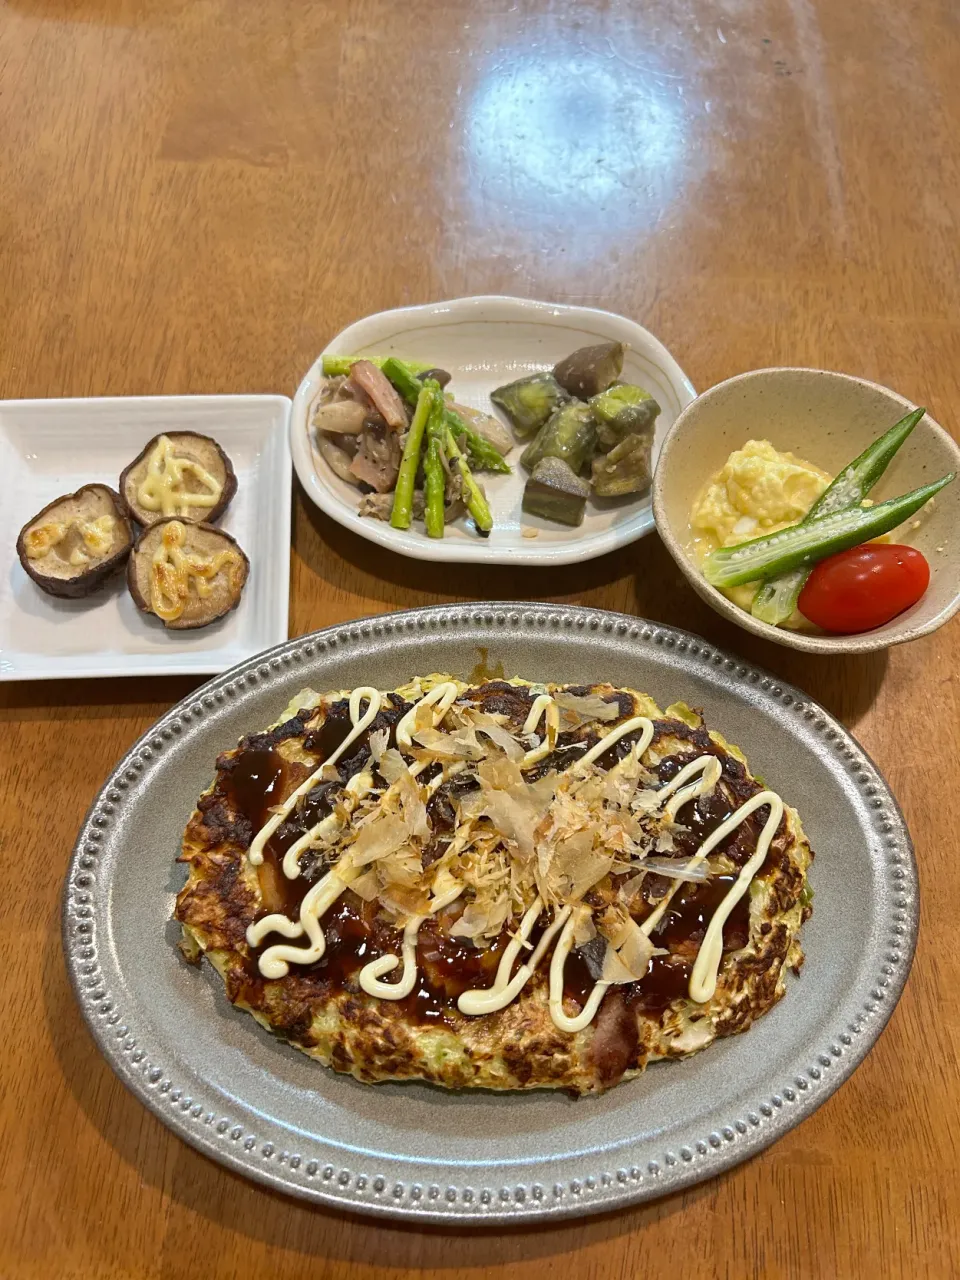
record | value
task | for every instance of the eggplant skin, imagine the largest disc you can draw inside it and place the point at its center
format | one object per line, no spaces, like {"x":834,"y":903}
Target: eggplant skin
{"x":90,"y":580}
{"x":143,"y":604}
{"x":214,"y":514}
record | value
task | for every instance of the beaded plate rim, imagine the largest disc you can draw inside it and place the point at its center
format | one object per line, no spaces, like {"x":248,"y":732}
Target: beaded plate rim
{"x":309,"y":1174}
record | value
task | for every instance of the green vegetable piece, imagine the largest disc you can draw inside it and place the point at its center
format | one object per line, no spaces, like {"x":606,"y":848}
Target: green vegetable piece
{"x":625,"y":469}
{"x":402,"y":511}
{"x":433,"y":489}
{"x":335,"y":366}
{"x":571,"y":434}
{"x":804,"y":544}
{"x":529,"y":402}
{"x":590,"y":370}
{"x":554,"y":492}
{"x":623,"y":410}
{"x":776,"y":599}
{"x":482,"y":454}
{"x":472,"y":493}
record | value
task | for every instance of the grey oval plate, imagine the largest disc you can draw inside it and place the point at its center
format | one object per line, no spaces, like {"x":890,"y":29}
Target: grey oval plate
{"x":413,"y":1151}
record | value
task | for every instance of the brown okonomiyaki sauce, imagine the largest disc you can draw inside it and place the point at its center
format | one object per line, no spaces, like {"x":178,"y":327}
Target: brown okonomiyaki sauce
{"x":259,"y":779}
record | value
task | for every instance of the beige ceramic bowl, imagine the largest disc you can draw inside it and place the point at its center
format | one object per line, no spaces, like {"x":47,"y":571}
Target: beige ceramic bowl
{"x":826,"y":418}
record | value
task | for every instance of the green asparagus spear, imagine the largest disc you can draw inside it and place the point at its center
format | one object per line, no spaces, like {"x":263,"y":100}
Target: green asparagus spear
{"x":482,"y":453}
{"x":804,"y":544}
{"x":402,"y":511}
{"x":434,"y":476}
{"x":334,"y":366}
{"x":777,"y":598}
{"x":476,"y":502}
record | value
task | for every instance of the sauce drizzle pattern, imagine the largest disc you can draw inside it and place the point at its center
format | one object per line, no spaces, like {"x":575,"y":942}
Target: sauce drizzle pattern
{"x":697,"y":778}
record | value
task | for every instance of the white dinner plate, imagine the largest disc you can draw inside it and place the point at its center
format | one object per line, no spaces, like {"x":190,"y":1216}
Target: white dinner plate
{"x":52,"y":447}
{"x":484,"y":342}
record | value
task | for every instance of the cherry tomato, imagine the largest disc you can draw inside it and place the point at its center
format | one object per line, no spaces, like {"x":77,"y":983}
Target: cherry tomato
{"x":864,"y":587}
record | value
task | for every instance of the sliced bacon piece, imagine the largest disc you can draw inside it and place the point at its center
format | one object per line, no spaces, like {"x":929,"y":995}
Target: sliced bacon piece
{"x":377,"y":460}
{"x":384,"y":396}
{"x":615,"y":1040}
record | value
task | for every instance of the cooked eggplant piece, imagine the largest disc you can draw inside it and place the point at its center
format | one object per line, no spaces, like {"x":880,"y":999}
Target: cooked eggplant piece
{"x":186,"y":574}
{"x":625,"y":469}
{"x":76,"y":541}
{"x":571,"y":434}
{"x":590,"y":370}
{"x":180,"y":474}
{"x":554,"y":492}
{"x":623,"y":410}
{"x":529,"y":402}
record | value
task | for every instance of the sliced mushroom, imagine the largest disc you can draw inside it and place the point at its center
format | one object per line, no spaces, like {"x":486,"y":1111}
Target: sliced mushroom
{"x":337,"y":459}
{"x":180,"y":474}
{"x":76,"y":541}
{"x":186,"y":574}
{"x":340,"y":417}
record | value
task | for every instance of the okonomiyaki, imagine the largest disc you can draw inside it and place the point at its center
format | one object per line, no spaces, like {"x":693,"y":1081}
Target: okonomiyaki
{"x":508,"y":885}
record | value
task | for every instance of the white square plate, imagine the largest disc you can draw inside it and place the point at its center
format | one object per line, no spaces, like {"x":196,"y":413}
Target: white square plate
{"x":484,"y":342}
{"x":52,"y":447}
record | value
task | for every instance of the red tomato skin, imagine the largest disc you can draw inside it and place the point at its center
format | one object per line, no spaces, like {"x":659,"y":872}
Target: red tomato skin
{"x":863,"y":587}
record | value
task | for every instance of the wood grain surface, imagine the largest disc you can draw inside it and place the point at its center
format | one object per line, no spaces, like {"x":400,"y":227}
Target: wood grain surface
{"x":194,"y":198}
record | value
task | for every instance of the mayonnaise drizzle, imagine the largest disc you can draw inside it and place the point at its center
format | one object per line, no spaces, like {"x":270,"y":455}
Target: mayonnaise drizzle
{"x":637,"y":722}
{"x":370,"y":974}
{"x":695,"y":779}
{"x":374,"y":701}
{"x":162,"y":487}
{"x":709,"y":768}
{"x":561,"y":1020}
{"x":544,"y":708}
{"x":275,"y":961}
{"x":703,"y":978}
{"x":441,"y":697}
{"x":505,"y":988}
{"x":314,"y":903}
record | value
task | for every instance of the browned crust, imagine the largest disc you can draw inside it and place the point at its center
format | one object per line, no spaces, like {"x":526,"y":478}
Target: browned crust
{"x":143,"y":604}
{"x":518,"y":1047}
{"x":146,"y":518}
{"x":85,"y":583}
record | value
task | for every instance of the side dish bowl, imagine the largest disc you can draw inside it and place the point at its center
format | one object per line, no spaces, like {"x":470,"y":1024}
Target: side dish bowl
{"x":484,"y":342}
{"x":827,"y":419}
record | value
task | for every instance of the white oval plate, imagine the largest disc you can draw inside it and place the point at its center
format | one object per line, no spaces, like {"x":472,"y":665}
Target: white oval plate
{"x":484,"y":342}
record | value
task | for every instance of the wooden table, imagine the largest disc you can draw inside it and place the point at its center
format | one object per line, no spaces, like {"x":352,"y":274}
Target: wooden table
{"x":194,"y":198}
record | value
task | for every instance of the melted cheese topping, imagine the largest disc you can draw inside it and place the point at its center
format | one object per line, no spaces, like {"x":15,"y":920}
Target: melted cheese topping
{"x":695,"y":779}
{"x":174,"y":572}
{"x":164,"y":486}
{"x":96,"y":537}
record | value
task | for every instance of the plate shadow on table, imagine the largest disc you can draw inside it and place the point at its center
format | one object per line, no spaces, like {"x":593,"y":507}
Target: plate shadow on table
{"x":641,"y":579}
{"x":230,"y":1201}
